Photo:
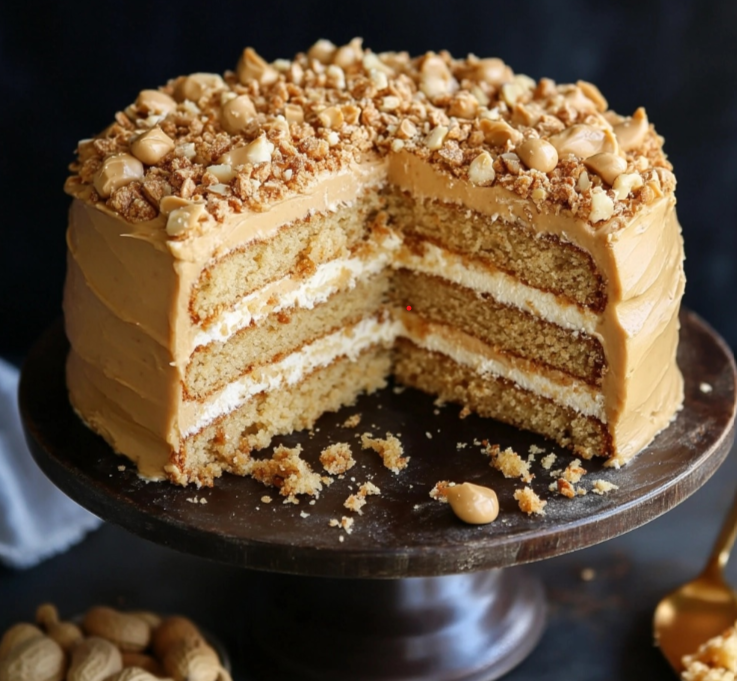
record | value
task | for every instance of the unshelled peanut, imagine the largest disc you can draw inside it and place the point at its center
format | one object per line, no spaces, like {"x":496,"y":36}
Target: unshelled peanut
{"x":16,"y":635}
{"x":172,"y":630}
{"x":36,"y":659}
{"x":151,"y":665}
{"x":94,"y":659}
{"x":132,"y":674}
{"x":186,"y":662}
{"x":128,"y":632}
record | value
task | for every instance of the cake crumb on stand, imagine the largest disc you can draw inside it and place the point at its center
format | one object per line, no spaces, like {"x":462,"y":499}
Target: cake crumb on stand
{"x":336,"y":459}
{"x":390,"y":450}
{"x":529,"y":502}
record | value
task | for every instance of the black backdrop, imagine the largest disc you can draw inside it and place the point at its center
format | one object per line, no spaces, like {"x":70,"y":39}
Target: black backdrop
{"x":65,"y":68}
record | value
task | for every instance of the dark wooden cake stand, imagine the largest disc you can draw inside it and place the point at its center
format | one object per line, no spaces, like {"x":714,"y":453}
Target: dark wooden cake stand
{"x":412,"y":592}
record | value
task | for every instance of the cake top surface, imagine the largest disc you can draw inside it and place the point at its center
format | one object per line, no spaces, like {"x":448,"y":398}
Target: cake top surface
{"x":250,"y":138}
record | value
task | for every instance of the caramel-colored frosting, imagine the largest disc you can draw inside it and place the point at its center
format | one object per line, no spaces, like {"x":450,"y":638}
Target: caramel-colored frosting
{"x":310,"y":142}
{"x":473,"y":504}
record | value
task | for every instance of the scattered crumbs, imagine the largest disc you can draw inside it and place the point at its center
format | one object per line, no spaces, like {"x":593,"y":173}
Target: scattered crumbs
{"x":603,"y":487}
{"x":439,"y":402}
{"x":530,"y":458}
{"x":345,"y":523}
{"x":509,"y":463}
{"x":440,"y":491}
{"x":312,"y":503}
{"x":428,"y":435}
{"x":326,"y":480}
{"x":529,"y":502}
{"x":416,"y":507}
{"x":556,"y":473}
{"x":203,"y":500}
{"x":476,"y":442}
{"x":564,"y":488}
{"x":436,"y":412}
{"x":464,"y":413}
{"x":304,"y":514}
{"x":461,"y":445}
{"x":340,"y":539}
{"x":548,"y":461}
{"x":390,"y":450}
{"x":287,"y":471}
{"x":121,"y":468}
{"x":588,"y":574}
{"x":705,"y":388}
{"x":574,"y":472}
{"x":266,"y":499}
{"x":398,"y":389}
{"x":355,"y":502}
{"x":192,"y":500}
{"x":258,"y":508}
{"x":352,"y":421}
{"x":337,"y":459}
{"x":534,"y":449}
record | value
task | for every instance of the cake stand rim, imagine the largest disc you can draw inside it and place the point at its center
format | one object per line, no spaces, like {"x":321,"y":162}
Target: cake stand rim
{"x":387,"y":562}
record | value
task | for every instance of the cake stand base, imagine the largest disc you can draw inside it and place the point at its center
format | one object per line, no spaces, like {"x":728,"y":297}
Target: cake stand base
{"x":412,"y":592}
{"x":472,"y":627}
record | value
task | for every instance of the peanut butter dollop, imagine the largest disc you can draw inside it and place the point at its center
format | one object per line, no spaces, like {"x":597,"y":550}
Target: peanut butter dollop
{"x":473,"y":504}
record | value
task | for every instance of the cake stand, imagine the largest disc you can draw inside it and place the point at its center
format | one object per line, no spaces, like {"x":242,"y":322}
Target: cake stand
{"x":411,"y":593}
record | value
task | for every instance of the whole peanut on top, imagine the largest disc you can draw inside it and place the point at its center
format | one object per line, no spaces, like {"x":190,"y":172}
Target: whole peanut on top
{"x":16,"y":635}
{"x":128,"y":632}
{"x":94,"y":659}
{"x":36,"y":659}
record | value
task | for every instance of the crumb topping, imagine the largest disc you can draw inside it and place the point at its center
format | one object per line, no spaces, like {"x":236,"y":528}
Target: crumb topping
{"x":337,"y":459}
{"x":390,"y":450}
{"x":254,"y":136}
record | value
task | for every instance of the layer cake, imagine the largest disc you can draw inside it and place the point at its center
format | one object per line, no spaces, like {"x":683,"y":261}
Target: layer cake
{"x":248,"y":251}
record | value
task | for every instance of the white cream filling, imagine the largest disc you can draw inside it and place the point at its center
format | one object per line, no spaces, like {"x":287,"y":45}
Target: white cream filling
{"x":502,"y":287}
{"x":349,"y":342}
{"x":574,"y":394}
{"x":329,"y":278}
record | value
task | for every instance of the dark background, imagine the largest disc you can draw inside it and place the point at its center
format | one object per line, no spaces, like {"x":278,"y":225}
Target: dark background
{"x":67,"y":67}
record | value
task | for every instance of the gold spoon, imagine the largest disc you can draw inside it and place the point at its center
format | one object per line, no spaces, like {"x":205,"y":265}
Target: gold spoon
{"x":701,"y":609}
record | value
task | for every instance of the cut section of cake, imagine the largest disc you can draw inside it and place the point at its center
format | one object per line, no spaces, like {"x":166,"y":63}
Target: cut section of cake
{"x":249,"y":251}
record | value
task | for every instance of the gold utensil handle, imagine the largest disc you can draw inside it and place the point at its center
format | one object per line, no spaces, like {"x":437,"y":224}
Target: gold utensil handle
{"x":725,"y":541}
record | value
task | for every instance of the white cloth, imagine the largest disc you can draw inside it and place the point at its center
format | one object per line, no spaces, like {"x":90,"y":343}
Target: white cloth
{"x":36,"y":519}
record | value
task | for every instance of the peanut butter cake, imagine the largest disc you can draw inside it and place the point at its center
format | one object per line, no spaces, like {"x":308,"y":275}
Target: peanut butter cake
{"x":248,"y":251}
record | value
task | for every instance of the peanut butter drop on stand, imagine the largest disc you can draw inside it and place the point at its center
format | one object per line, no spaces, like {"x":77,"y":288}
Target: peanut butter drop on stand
{"x":473,"y":504}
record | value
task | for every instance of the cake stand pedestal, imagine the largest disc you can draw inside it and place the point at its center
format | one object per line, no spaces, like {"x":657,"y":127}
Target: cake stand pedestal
{"x":411,"y":593}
